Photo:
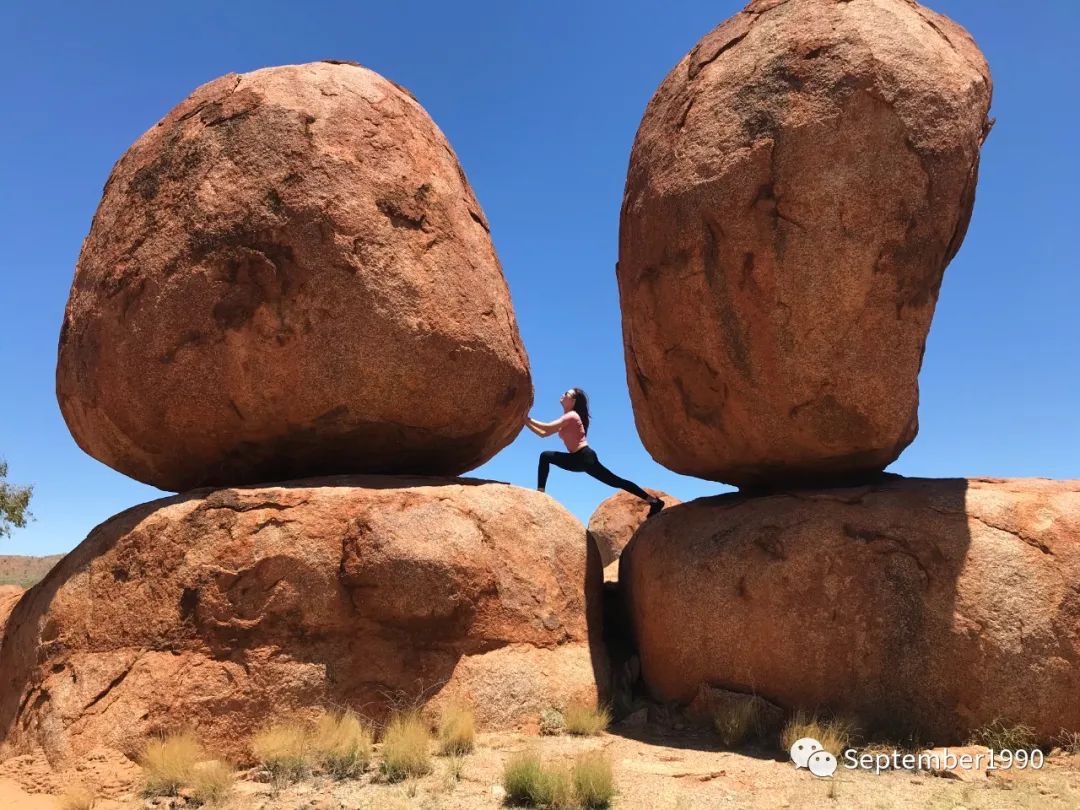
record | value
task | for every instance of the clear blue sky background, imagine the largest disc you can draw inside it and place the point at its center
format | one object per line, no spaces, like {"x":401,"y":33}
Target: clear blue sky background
{"x":541,"y":102}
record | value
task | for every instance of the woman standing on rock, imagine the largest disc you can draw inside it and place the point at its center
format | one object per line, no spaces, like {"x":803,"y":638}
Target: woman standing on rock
{"x":572,"y":427}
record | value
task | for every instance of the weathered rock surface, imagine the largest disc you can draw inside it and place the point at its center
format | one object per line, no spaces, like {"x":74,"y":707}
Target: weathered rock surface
{"x":287,"y":276}
{"x":933,"y":606}
{"x":797,"y":186}
{"x":220,"y":609}
{"x":9,"y":595}
{"x":614,"y":522}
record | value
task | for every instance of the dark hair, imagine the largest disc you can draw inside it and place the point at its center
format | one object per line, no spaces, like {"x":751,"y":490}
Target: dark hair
{"x":581,"y":405}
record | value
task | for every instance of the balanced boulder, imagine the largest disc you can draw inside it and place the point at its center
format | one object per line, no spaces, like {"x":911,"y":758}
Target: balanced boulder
{"x":220,"y":610}
{"x":289,"y":275}
{"x":796,"y":189}
{"x":919,"y":606}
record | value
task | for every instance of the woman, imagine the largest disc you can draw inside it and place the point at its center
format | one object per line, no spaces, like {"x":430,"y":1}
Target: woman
{"x":572,"y":427}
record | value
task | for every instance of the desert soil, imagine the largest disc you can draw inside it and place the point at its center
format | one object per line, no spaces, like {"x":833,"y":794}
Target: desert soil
{"x":16,"y":569}
{"x":653,"y":771}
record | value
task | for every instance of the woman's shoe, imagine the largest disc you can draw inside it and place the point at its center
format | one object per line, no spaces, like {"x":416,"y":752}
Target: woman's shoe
{"x":655,"y":505}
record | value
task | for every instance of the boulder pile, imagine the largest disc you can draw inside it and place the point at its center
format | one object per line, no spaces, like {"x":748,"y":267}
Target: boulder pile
{"x":290,"y":276}
{"x":797,"y":187}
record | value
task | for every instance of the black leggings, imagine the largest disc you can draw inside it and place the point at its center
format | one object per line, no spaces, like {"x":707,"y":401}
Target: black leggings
{"x":585,"y":460}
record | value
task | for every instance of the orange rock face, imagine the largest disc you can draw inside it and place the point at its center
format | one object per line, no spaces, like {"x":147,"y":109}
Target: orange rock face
{"x":9,"y":596}
{"x":289,"y":275}
{"x":617,"y":518}
{"x":798,"y":184}
{"x":933,"y":606}
{"x":219,"y":610}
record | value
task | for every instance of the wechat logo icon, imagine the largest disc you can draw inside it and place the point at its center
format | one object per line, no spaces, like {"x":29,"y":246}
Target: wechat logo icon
{"x":807,"y":752}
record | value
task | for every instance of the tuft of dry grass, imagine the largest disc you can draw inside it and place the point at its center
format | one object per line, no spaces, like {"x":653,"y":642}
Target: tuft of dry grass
{"x":834,"y":734}
{"x":738,"y":722}
{"x":594,"y":783}
{"x":406,"y":747}
{"x":585,"y":720}
{"x":1001,"y":735}
{"x":1069,"y":741}
{"x":212,"y":782}
{"x":282,"y":748}
{"x":455,"y":766}
{"x":168,"y":763}
{"x":78,"y":797}
{"x":341,"y":744}
{"x":457,"y":730}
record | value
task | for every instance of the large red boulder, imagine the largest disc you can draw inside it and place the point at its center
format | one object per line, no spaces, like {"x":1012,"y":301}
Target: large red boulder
{"x":220,"y":610}
{"x":289,"y":275}
{"x":799,"y":182}
{"x":920,"y":606}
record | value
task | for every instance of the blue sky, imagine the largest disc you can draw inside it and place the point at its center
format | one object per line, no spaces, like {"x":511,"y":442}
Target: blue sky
{"x":541,"y":102}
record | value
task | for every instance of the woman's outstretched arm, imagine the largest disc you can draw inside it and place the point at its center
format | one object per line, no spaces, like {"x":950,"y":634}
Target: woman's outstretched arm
{"x":542,"y":429}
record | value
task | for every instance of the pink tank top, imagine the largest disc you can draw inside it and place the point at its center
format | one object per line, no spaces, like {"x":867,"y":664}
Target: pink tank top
{"x":571,"y":431}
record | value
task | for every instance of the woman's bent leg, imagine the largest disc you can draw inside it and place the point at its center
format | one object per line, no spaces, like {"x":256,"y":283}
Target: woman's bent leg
{"x":548,"y":457}
{"x":606,"y":476}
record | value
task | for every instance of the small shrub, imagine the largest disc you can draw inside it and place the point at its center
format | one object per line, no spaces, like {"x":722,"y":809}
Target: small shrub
{"x":282,"y":749}
{"x":586,"y":720}
{"x":78,"y":797}
{"x":212,"y":782}
{"x":341,"y":744}
{"x":552,"y":722}
{"x":1069,"y":741}
{"x":834,"y":734}
{"x":457,"y":730}
{"x":405,"y":747}
{"x":168,"y":763}
{"x":593,"y":781}
{"x":455,"y":766}
{"x":1001,"y":735}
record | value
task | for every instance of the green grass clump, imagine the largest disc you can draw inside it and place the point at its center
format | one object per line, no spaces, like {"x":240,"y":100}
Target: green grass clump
{"x":341,"y":744}
{"x":594,"y":783}
{"x":585,"y":720}
{"x":521,"y":778}
{"x":587,"y":783}
{"x":168,"y":763}
{"x":457,"y":730}
{"x":406,"y":747}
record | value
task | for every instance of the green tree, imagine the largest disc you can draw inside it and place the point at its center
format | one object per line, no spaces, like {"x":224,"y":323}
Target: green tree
{"x":14,"y":503}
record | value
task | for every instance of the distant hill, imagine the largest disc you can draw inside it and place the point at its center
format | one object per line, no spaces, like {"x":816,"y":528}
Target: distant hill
{"x":25,"y":571}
